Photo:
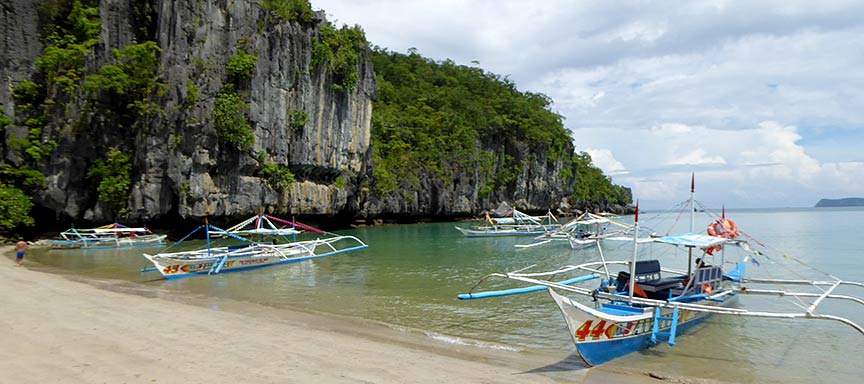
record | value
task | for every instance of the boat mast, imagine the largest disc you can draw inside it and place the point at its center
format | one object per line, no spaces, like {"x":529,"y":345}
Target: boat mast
{"x":635,"y":243}
{"x":692,"y":200}
{"x":692,"y":220}
{"x":207,"y":232}
{"x":723,"y":249}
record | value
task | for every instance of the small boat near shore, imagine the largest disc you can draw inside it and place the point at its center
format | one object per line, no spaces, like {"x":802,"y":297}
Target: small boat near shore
{"x":584,"y":231}
{"x":515,"y":223}
{"x":609,"y":314}
{"x":107,"y":236}
{"x":248,"y":255}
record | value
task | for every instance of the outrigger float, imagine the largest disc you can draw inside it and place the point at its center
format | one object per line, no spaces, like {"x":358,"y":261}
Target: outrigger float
{"x":248,"y":255}
{"x":619,"y":315}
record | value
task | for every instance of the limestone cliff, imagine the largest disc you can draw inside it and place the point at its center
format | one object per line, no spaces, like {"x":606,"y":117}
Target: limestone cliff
{"x":181,"y":168}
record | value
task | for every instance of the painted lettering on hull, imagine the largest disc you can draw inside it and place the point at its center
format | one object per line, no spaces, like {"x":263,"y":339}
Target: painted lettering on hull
{"x":597,"y":329}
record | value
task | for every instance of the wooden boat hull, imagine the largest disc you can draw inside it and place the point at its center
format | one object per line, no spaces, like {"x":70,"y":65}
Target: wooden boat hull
{"x":601,"y":339}
{"x":122,"y":242}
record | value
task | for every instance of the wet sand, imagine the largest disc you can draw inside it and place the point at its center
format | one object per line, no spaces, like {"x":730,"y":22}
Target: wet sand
{"x":64,"y":329}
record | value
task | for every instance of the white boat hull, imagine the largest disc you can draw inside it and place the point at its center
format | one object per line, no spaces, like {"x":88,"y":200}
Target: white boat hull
{"x":120,"y":242}
{"x":178,"y":266}
{"x":231,"y":259}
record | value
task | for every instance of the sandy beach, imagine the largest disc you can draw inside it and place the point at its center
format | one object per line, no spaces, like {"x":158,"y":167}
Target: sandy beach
{"x":59,"y":328}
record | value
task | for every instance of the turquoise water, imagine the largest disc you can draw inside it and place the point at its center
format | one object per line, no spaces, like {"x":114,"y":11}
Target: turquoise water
{"x":410,"y":276}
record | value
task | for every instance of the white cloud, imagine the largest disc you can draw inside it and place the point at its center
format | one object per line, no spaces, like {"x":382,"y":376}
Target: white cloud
{"x":605,"y":160}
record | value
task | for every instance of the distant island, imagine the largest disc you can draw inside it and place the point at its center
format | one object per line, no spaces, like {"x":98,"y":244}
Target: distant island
{"x":847,"y":202}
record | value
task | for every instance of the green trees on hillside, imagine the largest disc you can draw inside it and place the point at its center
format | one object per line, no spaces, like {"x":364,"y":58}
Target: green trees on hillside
{"x":431,"y":117}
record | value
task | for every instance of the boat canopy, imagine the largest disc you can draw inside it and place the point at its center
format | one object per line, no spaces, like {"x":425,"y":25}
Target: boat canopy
{"x":114,"y":230}
{"x":692,"y":240}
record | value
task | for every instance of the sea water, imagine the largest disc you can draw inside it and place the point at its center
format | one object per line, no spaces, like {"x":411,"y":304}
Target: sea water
{"x":410,"y":275}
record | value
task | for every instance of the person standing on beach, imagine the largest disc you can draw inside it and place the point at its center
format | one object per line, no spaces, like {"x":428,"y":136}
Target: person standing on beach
{"x":20,"y":248}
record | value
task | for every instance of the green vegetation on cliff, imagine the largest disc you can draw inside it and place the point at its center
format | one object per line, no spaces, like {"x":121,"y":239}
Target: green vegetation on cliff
{"x":291,"y":10}
{"x":339,"y":50}
{"x":113,"y":177}
{"x":231,"y":121}
{"x":14,"y":208}
{"x":131,"y":85}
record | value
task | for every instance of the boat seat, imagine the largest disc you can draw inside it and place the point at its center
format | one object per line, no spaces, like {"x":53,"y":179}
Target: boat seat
{"x":649,"y":278}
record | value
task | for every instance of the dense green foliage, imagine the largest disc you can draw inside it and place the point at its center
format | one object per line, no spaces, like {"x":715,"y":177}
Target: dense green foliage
{"x":291,"y":10}
{"x":299,"y":119}
{"x":242,"y":66}
{"x":23,"y":176}
{"x":134,"y":78}
{"x":114,"y":178}
{"x":72,"y":33}
{"x":15,"y":208}
{"x":277,"y":175}
{"x":231,"y":122}
{"x":593,"y":185}
{"x":340,"y":50}
{"x":431,"y":115}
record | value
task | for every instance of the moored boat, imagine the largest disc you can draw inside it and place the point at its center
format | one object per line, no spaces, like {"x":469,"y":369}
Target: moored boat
{"x":248,"y":255}
{"x":515,"y":224}
{"x":107,"y":236}
{"x":609,"y":314}
{"x":586,"y":230}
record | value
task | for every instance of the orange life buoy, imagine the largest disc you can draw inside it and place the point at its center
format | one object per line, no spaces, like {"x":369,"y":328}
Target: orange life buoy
{"x":723,"y":228}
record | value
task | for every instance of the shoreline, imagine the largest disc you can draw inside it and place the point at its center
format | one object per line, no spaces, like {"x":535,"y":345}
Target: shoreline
{"x":69,"y":329}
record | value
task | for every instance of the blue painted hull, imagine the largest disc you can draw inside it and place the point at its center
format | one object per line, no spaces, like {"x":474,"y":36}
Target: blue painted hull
{"x":610,"y":331}
{"x":599,"y":352}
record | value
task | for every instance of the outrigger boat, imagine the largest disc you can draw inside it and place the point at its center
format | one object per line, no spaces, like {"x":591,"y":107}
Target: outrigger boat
{"x":618,"y":315}
{"x":249,"y":255}
{"x":586,"y":230}
{"x":107,"y":236}
{"x":516,"y":224}
{"x":263,"y":225}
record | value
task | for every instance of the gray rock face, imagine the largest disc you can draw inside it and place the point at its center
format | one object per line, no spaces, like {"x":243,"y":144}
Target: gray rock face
{"x":180,"y":166}
{"x":19,"y":46}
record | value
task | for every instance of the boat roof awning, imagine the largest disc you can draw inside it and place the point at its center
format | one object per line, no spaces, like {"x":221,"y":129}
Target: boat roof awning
{"x":692,"y":240}
{"x":114,"y":230}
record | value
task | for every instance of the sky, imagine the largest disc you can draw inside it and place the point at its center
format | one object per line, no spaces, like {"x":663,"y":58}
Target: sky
{"x":762,"y":101}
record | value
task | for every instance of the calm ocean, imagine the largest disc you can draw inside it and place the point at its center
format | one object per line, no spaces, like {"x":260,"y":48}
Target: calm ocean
{"x":410,"y":275}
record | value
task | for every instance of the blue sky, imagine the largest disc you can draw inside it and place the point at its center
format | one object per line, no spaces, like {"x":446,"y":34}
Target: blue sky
{"x":762,"y":100}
